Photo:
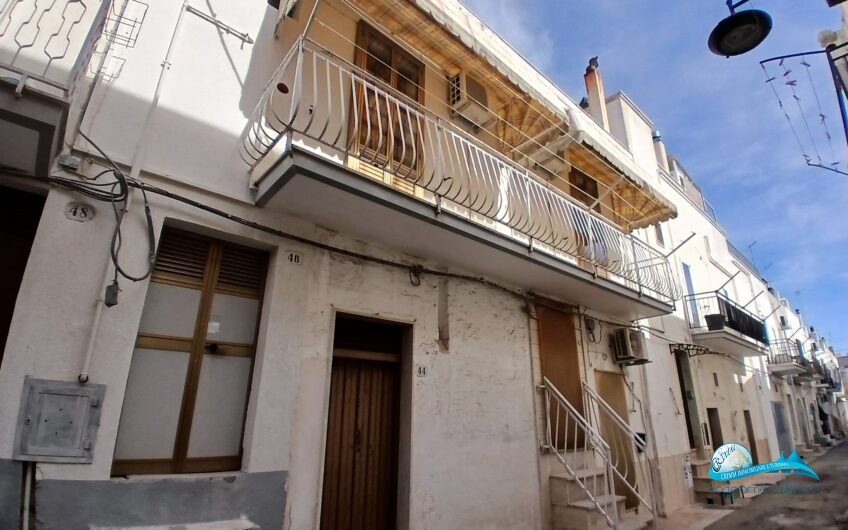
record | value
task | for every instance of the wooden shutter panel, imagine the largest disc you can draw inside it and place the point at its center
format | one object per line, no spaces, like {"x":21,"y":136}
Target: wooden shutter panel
{"x":242,"y":271}
{"x":181,"y":258}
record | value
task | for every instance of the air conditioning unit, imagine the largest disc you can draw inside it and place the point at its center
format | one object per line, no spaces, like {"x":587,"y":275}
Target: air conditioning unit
{"x":629,"y":347}
{"x":469,"y":101}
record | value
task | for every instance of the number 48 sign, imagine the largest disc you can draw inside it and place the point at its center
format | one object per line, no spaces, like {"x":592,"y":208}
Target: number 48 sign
{"x":79,"y":211}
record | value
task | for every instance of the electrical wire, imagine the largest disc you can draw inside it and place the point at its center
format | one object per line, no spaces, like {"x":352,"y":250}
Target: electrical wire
{"x":415,"y":270}
{"x":791,"y":84}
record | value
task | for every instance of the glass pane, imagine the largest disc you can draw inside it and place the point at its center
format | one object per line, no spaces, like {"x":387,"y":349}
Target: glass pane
{"x":407,"y":79}
{"x":219,"y":409}
{"x":378,"y":59}
{"x":170,"y":310}
{"x":233,"y":319}
{"x":152,"y":403}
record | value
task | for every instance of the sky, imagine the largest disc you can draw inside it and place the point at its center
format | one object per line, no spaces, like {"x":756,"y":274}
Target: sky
{"x":721,"y":119}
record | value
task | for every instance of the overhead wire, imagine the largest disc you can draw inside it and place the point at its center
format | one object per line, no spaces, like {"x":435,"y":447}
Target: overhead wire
{"x":770,"y":81}
{"x":791,"y":83}
{"x":822,"y":115}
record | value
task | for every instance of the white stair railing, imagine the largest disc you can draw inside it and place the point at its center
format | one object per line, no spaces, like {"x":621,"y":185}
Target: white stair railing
{"x":631,"y":457}
{"x":572,"y":439}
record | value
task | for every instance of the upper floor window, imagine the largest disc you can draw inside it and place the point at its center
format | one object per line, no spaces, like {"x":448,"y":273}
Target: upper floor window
{"x":584,"y":188}
{"x":659,"y":233}
{"x":387,"y":133}
{"x":189,"y":379}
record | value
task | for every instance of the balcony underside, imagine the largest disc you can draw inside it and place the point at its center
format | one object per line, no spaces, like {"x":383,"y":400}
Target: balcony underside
{"x":728,"y":341}
{"x":31,"y":128}
{"x":308,"y":187}
{"x":790,"y":368}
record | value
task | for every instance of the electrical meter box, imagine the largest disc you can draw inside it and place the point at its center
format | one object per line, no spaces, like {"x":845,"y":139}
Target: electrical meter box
{"x":58,"y":421}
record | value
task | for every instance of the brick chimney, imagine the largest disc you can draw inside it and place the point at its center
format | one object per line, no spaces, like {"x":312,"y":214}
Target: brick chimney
{"x":595,"y":94}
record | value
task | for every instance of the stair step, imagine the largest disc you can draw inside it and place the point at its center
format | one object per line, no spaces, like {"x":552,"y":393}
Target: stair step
{"x":567,"y":487}
{"x":631,"y":522}
{"x":603,"y":500}
{"x":580,"y":473}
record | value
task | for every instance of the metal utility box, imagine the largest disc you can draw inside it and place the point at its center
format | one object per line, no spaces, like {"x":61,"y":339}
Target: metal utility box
{"x":58,"y":421}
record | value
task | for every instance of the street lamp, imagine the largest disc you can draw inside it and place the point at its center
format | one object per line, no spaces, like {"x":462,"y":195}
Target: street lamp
{"x":741,"y":32}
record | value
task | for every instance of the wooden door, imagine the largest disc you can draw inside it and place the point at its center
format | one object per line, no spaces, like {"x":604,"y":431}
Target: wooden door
{"x":784,"y":437}
{"x":360,"y":466}
{"x":24,"y":211}
{"x":560,"y":363}
{"x":715,"y":428}
{"x":611,"y":387}
{"x":752,"y":440}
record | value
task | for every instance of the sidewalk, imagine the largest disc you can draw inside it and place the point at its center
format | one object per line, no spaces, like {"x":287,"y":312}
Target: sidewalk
{"x":759,"y":510}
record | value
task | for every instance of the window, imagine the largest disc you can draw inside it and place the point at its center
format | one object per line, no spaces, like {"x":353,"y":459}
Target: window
{"x":190,"y":374}
{"x":386,"y":131}
{"x":584,"y":188}
{"x":659,"y":234}
{"x":715,"y":379}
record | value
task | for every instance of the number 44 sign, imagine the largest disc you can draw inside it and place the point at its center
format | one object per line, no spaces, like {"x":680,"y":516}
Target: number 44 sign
{"x":79,"y":212}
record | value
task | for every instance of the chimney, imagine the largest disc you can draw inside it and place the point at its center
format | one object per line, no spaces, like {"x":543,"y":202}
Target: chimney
{"x":595,"y":94}
{"x":659,"y":149}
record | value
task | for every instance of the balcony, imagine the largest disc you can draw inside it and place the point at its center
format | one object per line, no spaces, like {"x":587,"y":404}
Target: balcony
{"x":45,"y":49}
{"x":330,"y":143}
{"x":785,"y":359}
{"x":722,"y":325}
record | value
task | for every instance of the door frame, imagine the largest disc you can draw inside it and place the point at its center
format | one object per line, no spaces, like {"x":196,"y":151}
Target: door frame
{"x":404,"y":457}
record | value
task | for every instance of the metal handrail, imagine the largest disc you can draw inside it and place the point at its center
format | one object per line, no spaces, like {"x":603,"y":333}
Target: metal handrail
{"x":560,"y":416}
{"x":785,"y":351}
{"x":697,"y":306}
{"x":625,"y":447}
{"x":318,"y":96}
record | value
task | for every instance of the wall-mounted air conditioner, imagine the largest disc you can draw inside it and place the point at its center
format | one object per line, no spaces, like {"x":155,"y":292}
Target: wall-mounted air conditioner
{"x":629,"y":347}
{"x":469,"y":101}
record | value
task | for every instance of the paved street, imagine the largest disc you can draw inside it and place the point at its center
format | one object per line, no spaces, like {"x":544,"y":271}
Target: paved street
{"x":827,"y":509}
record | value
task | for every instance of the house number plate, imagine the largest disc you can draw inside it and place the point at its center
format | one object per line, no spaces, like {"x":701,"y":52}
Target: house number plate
{"x":79,"y":212}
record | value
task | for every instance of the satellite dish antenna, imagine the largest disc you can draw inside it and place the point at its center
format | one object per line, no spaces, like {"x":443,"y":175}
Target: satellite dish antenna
{"x":741,"y":32}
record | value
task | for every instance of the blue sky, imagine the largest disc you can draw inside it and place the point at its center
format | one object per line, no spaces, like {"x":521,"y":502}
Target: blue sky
{"x":722,"y":121}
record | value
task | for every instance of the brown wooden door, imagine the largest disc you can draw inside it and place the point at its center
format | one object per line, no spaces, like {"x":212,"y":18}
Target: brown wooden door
{"x":752,"y":440}
{"x":715,"y":428}
{"x":560,"y":363}
{"x":360,"y":466}
{"x":611,"y":387}
{"x":24,"y":211}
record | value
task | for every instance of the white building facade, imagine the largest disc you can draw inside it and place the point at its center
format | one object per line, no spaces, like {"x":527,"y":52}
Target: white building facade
{"x":357,"y":264}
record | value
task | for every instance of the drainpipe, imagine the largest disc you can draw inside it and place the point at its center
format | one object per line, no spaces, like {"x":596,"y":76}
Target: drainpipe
{"x":794,"y":409}
{"x":648,"y":420}
{"x":135,"y":171}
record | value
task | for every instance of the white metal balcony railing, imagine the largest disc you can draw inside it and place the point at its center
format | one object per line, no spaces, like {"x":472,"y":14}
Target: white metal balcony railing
{"x":310,"y":97}
{"x":50,"y":41}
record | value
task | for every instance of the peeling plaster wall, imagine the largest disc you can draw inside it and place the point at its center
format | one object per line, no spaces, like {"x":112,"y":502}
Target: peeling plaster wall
{"x":473,"y":459}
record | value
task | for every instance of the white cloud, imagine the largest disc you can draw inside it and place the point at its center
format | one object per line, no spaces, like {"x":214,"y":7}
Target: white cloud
{"x":512,"y":21}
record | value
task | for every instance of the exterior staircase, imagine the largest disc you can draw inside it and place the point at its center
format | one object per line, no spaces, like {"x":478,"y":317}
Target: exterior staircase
{"x":582,"y":489}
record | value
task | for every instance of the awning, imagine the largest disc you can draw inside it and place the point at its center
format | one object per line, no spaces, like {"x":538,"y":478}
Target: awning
{"x":475,"y":34}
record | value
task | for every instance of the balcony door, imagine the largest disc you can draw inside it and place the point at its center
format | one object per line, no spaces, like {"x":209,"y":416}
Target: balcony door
{"x":385,"y":127}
